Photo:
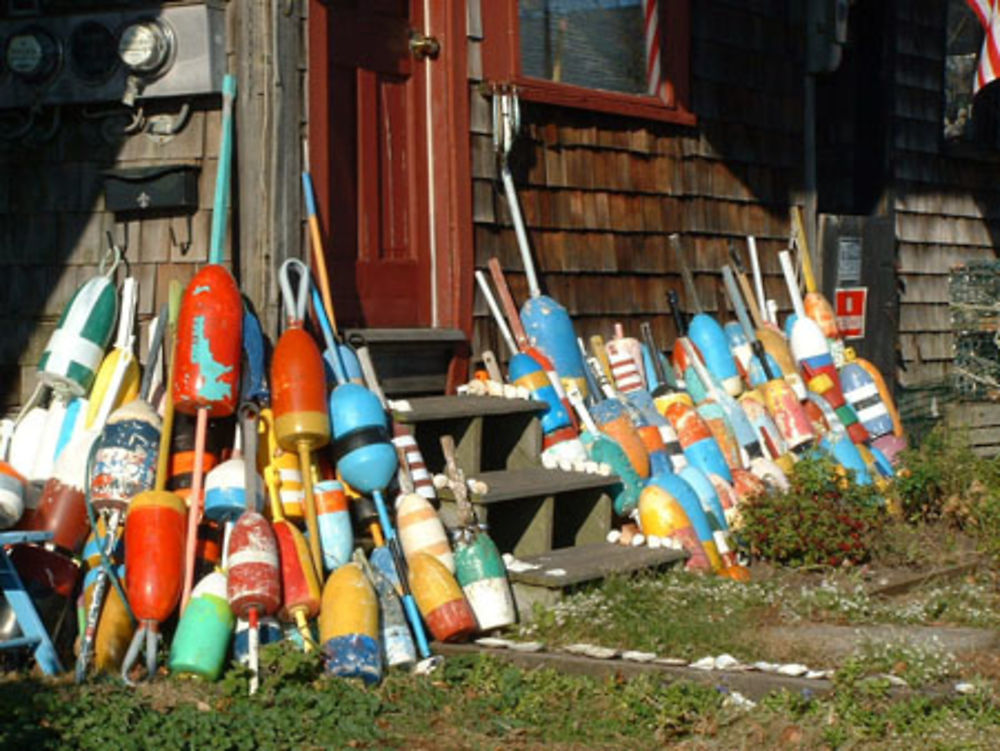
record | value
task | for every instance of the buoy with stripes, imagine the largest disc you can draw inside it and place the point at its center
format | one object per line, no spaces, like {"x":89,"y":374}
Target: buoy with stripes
{"x":253,"y":588}
{"x":862,"y":393}
{"x":612,"y":419}
{"x":201,"y":640}
{"x":336,"y":532}
{"x":695,"y":437}
{"x":422,"y":481}
{"x":118,"y":378}
{"x":626,"y":370}
{"x":440,"y":599}
{"x":481,"y":573}
{"x":349,"y":626}
{"x":74,"y":352}
{"x":420,"y":530}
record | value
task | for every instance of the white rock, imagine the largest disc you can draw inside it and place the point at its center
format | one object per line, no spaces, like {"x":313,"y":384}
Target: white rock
{"x":523,"y":392}
{"x":674,"y":662}
{"x":440,"y":482}
{"x":566,"y":465}
{"x":614,"y":536}
{"x":493,"y":641}
{"x":465,"y":388}
{"x":509,"y":391}
{"x":638,"y":540}
{"x":736,"y":699}
{"x":793,"y":669}
{"x":591,"y":467}
{"x":654,"y":542}
{"x":765,"y":667}
{"x":965,"y":688}
{"x":600,"y":653}
{"x":817,"y":674}
{"x":515,"y":565}
{"x":705,"y":663}
{"x":633,"y":656}
{"x":549,"y":461}
{"x":604,"y":469}
{"x":726,"y":662}
{"x":477,"y":487}
{"x":494,"y":389}
{"x":894,"y":680}
{"x":526,"y":646}
{"x":555,"y":572}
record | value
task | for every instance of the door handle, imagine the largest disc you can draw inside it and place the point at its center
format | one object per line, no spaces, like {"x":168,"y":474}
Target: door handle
{"x":424,"y":47}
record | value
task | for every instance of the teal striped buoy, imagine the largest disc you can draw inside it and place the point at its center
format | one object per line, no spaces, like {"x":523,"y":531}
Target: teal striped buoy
{"x":483,"y":577}
{"x":76,"y":348}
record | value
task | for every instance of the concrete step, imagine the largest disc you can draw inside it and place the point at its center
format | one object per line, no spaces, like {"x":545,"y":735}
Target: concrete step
{"x":533,"y":510}
{"x":546,"y":577}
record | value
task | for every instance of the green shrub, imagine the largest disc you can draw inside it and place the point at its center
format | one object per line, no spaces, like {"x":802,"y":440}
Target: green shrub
{"x":943,"y":479}
{"x":824,"y":518}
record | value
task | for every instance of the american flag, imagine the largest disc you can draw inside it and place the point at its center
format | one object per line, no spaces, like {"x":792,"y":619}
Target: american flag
{"x":988,"y":13}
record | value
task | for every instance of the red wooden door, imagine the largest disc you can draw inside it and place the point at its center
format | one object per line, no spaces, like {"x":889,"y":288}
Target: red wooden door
{"x":376,"y":152}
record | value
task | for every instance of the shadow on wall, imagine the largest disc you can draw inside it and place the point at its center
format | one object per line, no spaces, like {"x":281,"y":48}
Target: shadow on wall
{"x":56,"y":229}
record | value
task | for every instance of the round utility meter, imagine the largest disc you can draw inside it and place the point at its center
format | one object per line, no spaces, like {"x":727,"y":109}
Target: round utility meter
{"x":145,"y":46}
{"x":92,"y":52}
{"x":32,"y":54}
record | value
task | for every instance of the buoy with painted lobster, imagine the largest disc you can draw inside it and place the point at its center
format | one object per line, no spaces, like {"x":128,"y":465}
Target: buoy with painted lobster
{"x":209,"y":336}
{"x":348,"y":626}
{"x":254,"y":584}
{"x":298,"y":392}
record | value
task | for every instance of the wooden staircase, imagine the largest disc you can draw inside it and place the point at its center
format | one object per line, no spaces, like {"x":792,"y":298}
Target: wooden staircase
{"x":555,"y":523}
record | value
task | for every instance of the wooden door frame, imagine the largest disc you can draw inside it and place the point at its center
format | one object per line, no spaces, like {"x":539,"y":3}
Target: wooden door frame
{"x":452,"y":214}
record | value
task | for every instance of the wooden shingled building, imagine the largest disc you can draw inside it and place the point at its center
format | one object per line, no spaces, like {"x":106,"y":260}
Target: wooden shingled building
{"x":859,"y":111}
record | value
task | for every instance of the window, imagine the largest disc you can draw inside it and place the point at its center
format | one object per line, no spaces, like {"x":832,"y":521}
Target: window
{"x":623,"y":56}
{"x":967,"y":122}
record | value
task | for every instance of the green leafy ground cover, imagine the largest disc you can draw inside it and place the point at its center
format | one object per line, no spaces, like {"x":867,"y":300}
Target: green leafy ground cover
{"x":947,"y":507}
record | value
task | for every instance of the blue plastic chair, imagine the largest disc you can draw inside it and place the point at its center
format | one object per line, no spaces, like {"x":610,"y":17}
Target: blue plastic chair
{"x":34,"y":633}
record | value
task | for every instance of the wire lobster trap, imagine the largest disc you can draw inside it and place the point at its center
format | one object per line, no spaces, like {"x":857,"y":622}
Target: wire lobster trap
{"x":974,"y":307}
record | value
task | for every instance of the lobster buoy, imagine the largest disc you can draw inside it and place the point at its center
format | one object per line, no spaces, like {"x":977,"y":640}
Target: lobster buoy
{"x":365,"y":456}
{"x":722,"y":431}
{"x":525,"y":371}
{"x":420,"y":530}
{"x":180,"y":469}
{"x":688,"y":501}
{"x":115,"y":627}
{"x":661,"y":515}
{"x":125,"y":456}
{"x":614,"y":421}
{"x":481,"y":573}
{"x":862,"y":393}
{"x":397,"y":641}
{"x":348,"y":626}
{"x":299,"y":584}
{"x":254,"y":584}
{"x":423,"y":483}
{"x":336,"y":533}
{"x":75,"y":349}
{"x":12,"y":489}
{"x":706,"y":333}
{"x":549,"y":327}
{"x":696,"y":438}
{"x":440,"y":599}
{"x":201,"y":641}
{"x":269,"y":632}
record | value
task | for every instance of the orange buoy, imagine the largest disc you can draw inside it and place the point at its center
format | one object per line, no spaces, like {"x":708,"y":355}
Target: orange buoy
{"x":440,"y":599}
{"x":661,"y":515}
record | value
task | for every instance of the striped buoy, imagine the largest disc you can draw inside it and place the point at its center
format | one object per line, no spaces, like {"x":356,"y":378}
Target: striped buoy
{"x":336,"y":533}
{"x":293,"y":490}
{"x":75,"y":349}
{"x":423,"y":483}
{"x":440,"y":599}
{"x":421,"y":531}
{"x":862,"y":393}
{"x":481,"y":573}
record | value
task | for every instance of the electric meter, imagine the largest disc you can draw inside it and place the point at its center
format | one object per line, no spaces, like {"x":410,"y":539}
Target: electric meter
{"x":92,"y":52}
{"x":33,"y":54}
{"x":145,"y":47}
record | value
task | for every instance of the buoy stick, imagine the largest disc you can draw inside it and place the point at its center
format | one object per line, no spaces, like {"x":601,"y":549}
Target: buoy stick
{"x":792,"y":283}
{"x":409,"y":604}
{"x":758,"y":279}
{"x":318,"y":254}
{"x":491,"y":302}
{"x":253,"y":650}
{"x":220,"y":205}
{"x":803,"y":243}
{"x":195,"y":505}
{"x":694,"y":300}
{"x":312,"y":521}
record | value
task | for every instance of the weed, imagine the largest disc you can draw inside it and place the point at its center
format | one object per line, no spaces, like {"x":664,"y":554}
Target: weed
{"x":824,"y":518}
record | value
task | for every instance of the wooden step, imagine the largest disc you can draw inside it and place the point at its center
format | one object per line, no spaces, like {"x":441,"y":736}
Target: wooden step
{"x":546,"y":577}
{"x":534,"y":510}
{"x":414,"y":360}
{"x":490,"y":433}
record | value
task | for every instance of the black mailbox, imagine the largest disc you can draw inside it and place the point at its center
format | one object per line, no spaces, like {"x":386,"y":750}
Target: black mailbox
{"x":161,"y":189}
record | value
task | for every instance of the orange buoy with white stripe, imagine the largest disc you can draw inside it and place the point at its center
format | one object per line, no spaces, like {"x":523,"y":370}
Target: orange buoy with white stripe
{"x":420,"y":530}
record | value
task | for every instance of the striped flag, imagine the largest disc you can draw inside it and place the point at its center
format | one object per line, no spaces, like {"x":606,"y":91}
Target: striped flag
{"x":654,"y":79}
{"x":988,"y":13}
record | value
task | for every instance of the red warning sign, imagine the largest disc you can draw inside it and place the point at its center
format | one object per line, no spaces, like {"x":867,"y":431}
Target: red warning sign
{"x":850,"y":304}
